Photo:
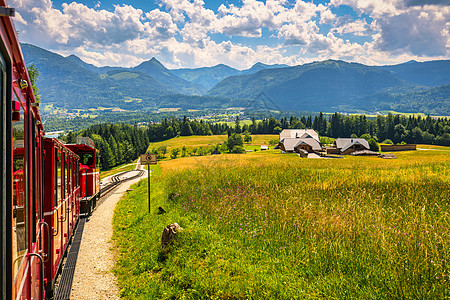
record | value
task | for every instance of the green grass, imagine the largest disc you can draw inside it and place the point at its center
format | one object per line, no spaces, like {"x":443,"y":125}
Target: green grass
{"x":266,"y":225}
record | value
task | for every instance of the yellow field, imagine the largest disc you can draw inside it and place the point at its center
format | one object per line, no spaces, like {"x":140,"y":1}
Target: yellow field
{"x":208,"y":140}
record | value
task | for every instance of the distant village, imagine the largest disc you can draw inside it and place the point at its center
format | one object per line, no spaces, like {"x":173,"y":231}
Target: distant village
{"x":306,"y":143}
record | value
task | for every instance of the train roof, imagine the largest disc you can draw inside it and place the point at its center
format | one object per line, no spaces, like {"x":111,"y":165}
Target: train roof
{"x":81,"y":147}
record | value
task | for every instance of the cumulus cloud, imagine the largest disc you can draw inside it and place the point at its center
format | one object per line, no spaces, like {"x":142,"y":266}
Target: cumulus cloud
{"x":357,"y":28}
{"x":416,"y":32}
{"x":427,"y":2}
{"x":183,"y":33}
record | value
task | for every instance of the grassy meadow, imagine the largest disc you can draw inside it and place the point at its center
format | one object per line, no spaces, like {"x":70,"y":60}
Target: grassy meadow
{"x":208,"y":141}
{"x":266,"y":225}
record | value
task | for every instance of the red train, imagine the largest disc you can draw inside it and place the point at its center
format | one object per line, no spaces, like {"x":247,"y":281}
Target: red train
{"x":46,"y":185}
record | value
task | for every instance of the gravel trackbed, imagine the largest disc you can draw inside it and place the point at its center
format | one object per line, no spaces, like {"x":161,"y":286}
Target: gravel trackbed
{"x":93,"y":278}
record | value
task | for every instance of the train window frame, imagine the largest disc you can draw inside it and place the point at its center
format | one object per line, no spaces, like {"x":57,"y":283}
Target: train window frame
{"x":17,"y":262}
{"x":33,"y":185}
{"x":58,"y":175}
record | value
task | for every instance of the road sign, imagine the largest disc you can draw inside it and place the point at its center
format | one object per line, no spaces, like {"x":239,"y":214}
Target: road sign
{"x":148,"y":159}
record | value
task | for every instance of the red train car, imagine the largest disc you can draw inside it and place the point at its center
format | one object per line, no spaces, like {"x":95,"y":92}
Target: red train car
{"x":22,"y":228}
{"x":41,"y":182}
{"x":89,"y":173}
{"x":61,"y":205}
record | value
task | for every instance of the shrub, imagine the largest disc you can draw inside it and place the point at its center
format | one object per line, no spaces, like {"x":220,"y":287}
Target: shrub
{"x":374,"y":145}
{"x":238,"y":149}
{"x":174,"y":153}
{"x":274,"y":142}
{"x":388,"y":142}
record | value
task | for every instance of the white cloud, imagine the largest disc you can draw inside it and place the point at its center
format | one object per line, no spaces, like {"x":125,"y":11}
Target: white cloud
{"x":357,"y":28}
{"x":181,"y":33}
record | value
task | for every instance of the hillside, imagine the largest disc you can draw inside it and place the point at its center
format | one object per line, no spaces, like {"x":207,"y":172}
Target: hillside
{"x":334,"y":85}
{"x":155,"y":69}
{"x":210,"y":76}
{"x":68,"y":82}
{"x":430,"y":73}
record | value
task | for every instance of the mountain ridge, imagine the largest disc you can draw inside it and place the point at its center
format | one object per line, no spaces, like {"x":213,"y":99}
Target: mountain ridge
{"x":330,"y":85}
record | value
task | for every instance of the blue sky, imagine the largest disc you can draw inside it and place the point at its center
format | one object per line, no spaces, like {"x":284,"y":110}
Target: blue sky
{"x":239,"y":33}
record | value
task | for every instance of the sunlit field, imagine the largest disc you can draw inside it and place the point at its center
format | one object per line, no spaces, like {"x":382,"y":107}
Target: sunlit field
{"x":208,"y":141}
{"x":266,"y":225}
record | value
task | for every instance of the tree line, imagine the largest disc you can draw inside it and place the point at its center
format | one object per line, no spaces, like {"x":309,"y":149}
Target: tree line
{"x":122,"y":143}
{"x":397,"y":128}
{"x":117,"y":143}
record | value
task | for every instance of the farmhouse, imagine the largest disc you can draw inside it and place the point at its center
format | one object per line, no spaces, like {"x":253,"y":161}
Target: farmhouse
{"x":299,"y":140}
{"x":348,"y":145}
{"x":299,"y":134}
{"x":294,"y":145}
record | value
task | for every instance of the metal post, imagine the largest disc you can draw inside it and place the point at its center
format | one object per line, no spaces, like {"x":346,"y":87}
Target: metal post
{"x":148,"y":169}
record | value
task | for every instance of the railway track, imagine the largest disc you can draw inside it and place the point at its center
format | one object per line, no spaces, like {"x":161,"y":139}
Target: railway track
{"x":119,"y":178}
{"x":64,"y":283}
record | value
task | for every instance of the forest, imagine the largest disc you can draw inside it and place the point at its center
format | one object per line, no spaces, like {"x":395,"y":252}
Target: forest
{"x":122,"y":143}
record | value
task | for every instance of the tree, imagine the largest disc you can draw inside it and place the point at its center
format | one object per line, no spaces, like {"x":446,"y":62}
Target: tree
{"x":174,"y":153}
{"x":163,"y":150}
{"x":234,"y":140}
{"x":237,"y":126}
{"x":277,"y":130}
{"x":71,"y":137}
{"x":33,"y":72}
{"x":373,"y":145}
{"x":109,"y":159}
{"x":247,"y":137}
{"x":186,"y":129}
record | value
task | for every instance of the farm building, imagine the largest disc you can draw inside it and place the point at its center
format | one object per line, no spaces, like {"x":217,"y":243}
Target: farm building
{"x":295,"y":144}
{"x":348,"y":145}
{"x":299,"y":134}
{"x":264,"y":147}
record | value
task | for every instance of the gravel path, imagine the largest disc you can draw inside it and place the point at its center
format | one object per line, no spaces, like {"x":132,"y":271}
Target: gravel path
{"x":93,"y":278}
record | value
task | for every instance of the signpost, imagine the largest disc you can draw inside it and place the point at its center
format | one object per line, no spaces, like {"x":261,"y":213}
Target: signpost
{"x":148,"y":159}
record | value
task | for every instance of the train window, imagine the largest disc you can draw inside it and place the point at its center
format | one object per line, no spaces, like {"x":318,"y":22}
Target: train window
{"x":35,"y":177}
{"x":19,"y":191}
{"x":66,"y":173}
{"x":59,"y":176}
{"x":86,"y":158}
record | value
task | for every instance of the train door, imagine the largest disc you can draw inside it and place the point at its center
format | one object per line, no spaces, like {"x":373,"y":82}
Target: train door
{"x":19,"y":203}
{"x":66,"y":201}
{"x":58,"y":209}
{"x":38,"y":231}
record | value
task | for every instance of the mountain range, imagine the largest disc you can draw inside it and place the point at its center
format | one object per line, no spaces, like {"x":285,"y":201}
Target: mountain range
{"x":328,"y":86}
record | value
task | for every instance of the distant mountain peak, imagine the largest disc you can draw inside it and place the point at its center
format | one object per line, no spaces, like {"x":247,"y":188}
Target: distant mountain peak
{"x":259,"y":64}
{"x":152,"y":62}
